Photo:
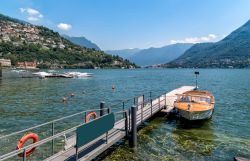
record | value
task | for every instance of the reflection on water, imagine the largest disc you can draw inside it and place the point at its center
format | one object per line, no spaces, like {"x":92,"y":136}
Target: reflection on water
{"x":30,"y":101}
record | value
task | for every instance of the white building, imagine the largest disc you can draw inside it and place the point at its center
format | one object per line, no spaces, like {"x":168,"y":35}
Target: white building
{"x":5,"y":62}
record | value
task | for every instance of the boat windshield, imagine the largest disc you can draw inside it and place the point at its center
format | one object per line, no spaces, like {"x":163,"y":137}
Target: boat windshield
{"x":198,"y":99}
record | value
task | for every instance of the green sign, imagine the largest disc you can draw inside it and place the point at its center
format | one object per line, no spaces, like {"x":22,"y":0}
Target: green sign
{"x":94,"y":129}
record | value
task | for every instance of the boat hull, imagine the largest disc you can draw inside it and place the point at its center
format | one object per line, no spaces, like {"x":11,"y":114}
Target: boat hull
{"x":196,"y":115}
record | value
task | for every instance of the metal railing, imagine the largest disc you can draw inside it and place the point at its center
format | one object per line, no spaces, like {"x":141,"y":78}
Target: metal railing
{"x":50,"y":122}
{"x":51,"y":138}
{"x":120,"y":108}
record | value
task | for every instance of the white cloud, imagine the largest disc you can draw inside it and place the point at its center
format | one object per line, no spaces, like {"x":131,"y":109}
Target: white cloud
{"x":194,"y":40}
{"x":32,"y":11}
{"x":32,"y":14}
{"x":22,"y":10}
{"x":64,"y":26}
{"x":32,"y":18}
{"x":212,"y":36}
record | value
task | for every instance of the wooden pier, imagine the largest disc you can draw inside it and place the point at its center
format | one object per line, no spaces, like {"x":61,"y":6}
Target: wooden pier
{"x":58,"y":76}
{"x":91,"y":150}
{"x":92,"y":138}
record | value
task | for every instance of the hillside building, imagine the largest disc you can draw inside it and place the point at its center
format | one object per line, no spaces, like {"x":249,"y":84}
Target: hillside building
{"x":5,"y":62}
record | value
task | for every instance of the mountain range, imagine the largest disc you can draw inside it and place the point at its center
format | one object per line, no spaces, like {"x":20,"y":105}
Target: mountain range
{"x":82,"y":41}
{"x":152,"y":56}
{"x":21,"y":41}
{"x":124,"y":53}
{"x":233,"y":51}
{"x":160,"y":55}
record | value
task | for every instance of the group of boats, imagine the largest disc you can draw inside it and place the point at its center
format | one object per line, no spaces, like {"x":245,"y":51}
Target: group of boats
{"x":195,"y":104}
{"x":62,"y":75}
{"x":47,"y":74}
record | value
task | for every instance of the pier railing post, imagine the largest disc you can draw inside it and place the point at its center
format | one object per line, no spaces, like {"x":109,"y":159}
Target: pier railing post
{"x":141,"y":115}
{"x":76,"y":153}
{"x":85,"y":115}
{"x":109,"y":110}
{"x":129,"y":119}
{"x":126,"y":122}
{"x":159,"y":101}
{"x":133,"y":138}
{"x":165,"y":101}
{"x":151,"y":102}
{"x":142,"y":106}
{"x":143,"y":100}
{"x":0,"y":69}
{"x":52,"y":133}
{"x":102,"y":105}
{"x":24,"y":155}
{"x":123,"y":108}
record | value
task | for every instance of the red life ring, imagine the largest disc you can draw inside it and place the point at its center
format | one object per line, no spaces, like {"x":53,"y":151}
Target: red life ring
{"x":89,"y":115}
{"x":22,"y":141}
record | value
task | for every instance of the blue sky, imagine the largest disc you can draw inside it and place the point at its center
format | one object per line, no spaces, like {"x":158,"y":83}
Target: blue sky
{"x":120,"y":24}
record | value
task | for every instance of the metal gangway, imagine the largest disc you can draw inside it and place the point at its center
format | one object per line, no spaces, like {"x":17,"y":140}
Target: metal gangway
{"x":66,"y":139}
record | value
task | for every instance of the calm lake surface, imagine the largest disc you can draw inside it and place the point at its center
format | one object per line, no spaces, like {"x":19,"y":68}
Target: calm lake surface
{"x":25,"y":102}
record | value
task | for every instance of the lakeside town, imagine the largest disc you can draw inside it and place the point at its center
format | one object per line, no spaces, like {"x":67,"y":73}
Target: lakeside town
{"x":6,"y":63}
{"x":20,"y":33}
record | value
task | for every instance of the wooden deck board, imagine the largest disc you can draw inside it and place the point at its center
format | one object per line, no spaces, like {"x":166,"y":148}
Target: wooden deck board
{"x":171,"y":97}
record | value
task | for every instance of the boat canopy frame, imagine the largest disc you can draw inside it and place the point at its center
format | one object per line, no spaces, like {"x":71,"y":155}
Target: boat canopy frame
{"x":188,"y":99}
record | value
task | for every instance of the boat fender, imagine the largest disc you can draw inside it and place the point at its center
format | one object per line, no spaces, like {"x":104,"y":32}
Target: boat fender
{"x":24,"y":139}
{"x":89,"y":116}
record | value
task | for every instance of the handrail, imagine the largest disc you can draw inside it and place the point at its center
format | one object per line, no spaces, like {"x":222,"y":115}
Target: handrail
{"x":41,"y":142}
{"x":63,"y":133}
{"x":126,"y":100}
{"x":53,"y":121}
{"x":16,"y":152}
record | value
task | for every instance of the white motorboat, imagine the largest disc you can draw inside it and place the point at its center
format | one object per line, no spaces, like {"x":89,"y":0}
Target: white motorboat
{"x":79,"y":74}
{"x":42,"y":74}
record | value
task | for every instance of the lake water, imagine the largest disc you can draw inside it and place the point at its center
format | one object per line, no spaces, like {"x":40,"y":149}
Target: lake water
{"x":25,"y":102}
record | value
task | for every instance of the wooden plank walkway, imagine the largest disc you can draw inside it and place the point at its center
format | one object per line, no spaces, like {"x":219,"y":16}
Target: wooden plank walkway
{"x":171,"y":97}
{"x":94,"y":148}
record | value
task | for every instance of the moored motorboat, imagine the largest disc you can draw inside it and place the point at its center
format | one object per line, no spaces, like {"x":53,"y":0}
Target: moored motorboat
{"x":79,"y":74}
{"x":195,"y":104}
{"x":42,"y":74}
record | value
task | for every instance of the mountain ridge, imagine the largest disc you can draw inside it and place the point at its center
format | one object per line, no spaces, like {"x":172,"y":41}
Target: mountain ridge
{"x":232,"y":51}
{"x":124,"y":53}
{"x":152,"y":55}
{"x":82,"y":41}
